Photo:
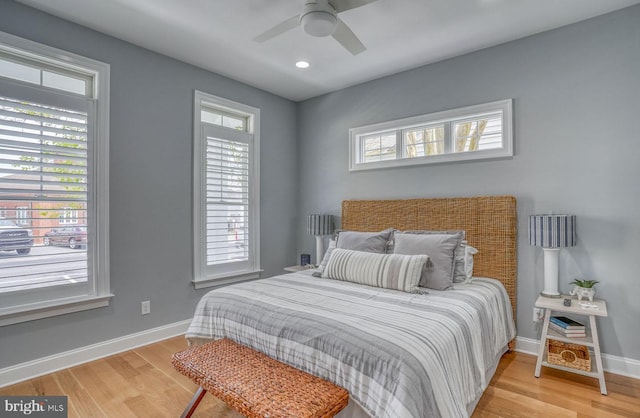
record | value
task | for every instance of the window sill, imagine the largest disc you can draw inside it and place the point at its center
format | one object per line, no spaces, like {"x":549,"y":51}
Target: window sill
{"x":52,"y":308}
{"x":468,"y":156}
{"x":226,"y":279}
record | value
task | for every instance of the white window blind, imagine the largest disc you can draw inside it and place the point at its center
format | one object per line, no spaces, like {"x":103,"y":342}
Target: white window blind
{"x":226,"y":191}
{"x":43,"y":174}
{"x":227,"y":200}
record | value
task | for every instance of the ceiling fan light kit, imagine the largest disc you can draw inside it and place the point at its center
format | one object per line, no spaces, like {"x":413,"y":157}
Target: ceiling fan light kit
{"x":320,"y":18}
{"x":319,"y":23}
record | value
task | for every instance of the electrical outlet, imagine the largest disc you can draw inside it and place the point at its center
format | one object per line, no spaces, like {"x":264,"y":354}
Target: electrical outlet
{"x":145,"y":307}
{"x":538,"y":313}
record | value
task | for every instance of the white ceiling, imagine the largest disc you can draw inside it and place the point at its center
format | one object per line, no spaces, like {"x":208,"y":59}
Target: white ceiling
{"x":399,"y":34}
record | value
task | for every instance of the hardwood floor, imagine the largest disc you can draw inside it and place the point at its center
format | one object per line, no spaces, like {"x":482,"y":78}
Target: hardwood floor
{"x":142,"y":383}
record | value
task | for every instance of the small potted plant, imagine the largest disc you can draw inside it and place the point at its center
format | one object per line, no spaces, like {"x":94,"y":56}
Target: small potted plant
{"x":584,"y":288}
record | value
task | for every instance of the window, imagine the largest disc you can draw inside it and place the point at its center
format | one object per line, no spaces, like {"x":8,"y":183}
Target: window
{"x":53,"y":171}
{"x":470,"y":133}
{"x":379,"y":147}
{"x":226,"y":191}
{"x":22,"y":215}
{"x":68,"y":216}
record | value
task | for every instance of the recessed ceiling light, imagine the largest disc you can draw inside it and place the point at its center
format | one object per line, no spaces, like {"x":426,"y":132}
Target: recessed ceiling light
{"x":302,"y":64}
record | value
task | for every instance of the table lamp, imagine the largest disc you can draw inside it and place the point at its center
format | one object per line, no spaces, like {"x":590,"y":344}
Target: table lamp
{"x":552,"y":232}
{"x":319,"y":225}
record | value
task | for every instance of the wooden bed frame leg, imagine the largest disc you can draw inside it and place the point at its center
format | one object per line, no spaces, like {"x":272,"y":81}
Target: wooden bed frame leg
{"x":195,"y":401}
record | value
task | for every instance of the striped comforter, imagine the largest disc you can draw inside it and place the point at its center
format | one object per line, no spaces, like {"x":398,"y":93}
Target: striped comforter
{"x":398,"y":354}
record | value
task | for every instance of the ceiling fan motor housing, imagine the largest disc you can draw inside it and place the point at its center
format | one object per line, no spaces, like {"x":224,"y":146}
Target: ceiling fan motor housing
{"x":319,"y":18}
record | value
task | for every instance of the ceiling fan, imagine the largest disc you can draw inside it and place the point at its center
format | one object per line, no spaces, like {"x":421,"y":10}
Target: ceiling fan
{"x":320,"y":18}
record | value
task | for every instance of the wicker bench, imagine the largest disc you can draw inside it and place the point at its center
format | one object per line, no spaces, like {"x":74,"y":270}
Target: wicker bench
{"x":256,"y":385}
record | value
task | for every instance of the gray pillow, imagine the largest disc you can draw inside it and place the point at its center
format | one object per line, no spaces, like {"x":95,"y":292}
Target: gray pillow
{"x":463,"y":268}
{"x":441,"y":250}
{"x":327,"y":255}
{"x":371,"y":242}
{"x":421,"y":231}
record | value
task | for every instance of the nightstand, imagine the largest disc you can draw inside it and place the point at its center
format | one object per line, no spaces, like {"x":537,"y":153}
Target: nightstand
{"x":293,"y":269}
{"x":591,"y":340}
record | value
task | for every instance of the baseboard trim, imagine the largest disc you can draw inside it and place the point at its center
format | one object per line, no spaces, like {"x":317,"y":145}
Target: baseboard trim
{"x":613,"y":364}
{"x":29,"y":370}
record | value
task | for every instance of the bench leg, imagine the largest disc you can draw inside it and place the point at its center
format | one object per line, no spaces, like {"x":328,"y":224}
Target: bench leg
{"x":195,"y":401}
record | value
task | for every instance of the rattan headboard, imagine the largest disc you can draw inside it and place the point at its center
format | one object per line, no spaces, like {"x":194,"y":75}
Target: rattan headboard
{"x":489,"y":222}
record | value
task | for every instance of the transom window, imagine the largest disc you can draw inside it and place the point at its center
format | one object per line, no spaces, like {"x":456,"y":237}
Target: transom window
{"x":22,"y":68}
{"x":221,"y":118}
{"x":470,"y":133}
{"x":423,"y":141}
{"x":379,"y":147}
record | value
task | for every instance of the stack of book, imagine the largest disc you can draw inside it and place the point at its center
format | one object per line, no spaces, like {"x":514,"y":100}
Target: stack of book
{"x":567,"y":327}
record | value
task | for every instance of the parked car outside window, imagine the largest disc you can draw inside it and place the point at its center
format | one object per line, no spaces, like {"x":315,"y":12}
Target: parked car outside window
{"x":72,"y":237}
{"x":14,"y":237}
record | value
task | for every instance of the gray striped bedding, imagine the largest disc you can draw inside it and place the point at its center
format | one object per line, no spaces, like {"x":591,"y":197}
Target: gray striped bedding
{"x":398,"y":354}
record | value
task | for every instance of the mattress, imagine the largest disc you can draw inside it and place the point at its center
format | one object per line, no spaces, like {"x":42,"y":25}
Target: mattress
{"x":398,"y":354}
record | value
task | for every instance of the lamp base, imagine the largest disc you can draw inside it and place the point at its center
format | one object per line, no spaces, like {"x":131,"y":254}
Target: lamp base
{"x":550,"y":295}
{"x":550,"y":289}
{"x":319,"y":249}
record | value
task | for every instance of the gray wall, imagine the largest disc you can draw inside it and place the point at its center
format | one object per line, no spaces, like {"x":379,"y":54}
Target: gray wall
{"x":576,"y":97}
{"x":150,"y":174}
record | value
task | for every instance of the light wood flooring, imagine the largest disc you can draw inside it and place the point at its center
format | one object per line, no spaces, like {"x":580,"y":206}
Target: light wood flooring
{"x":142,"y":383}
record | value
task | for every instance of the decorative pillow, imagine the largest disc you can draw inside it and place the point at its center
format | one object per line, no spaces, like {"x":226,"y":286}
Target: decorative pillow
{"x":327,"y":255}
{"x":391,"y":243}
{"x":439,"y":247}
{"x":372,"y":242}
{"x":390,"y":271}
{"x":463,"y":270}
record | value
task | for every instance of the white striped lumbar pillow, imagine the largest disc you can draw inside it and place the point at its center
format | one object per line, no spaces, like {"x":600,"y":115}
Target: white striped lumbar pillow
{"x":390,"y":271}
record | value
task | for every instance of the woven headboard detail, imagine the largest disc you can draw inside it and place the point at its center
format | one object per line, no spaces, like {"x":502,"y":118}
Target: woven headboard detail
{"x":490,"y":224}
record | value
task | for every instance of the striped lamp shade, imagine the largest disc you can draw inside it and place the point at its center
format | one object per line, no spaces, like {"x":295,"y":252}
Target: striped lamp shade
{"x":552,"y":231}
{"x":320,"y":224}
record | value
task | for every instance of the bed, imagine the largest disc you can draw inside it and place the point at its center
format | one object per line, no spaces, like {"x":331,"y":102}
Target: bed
{"x":398,"y":354}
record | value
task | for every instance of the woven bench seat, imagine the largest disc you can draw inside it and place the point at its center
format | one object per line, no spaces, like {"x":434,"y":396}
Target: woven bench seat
{"x":256,"y":385}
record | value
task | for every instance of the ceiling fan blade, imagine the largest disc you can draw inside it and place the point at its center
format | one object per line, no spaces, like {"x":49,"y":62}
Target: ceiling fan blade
{"x":278,"y":29}
{"x":348,"y":39}
{"x":344,"y":5}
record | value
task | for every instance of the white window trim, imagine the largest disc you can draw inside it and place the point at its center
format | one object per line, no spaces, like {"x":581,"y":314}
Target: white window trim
{"x":201,"y":279}
{"x":100,"y":72}
{"x":431,"y":119}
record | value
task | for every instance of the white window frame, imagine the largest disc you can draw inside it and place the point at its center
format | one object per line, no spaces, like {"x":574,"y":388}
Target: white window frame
{"x":99,"y":72}
{"x":444,"y":117}
{"x":207,"y":276}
